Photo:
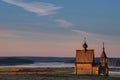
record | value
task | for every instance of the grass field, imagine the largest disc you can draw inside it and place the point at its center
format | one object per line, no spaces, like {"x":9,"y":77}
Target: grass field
{"x":47,"y":74}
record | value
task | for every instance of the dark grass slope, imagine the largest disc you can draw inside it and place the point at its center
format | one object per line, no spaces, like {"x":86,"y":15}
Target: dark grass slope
{"x":54,"y":77}
{"x":48,"y":74}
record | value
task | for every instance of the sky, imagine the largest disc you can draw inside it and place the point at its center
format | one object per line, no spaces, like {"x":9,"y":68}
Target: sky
{"x":58,"y":27}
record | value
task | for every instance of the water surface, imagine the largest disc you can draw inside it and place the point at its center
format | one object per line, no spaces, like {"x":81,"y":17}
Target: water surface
{"x":58,"y":64}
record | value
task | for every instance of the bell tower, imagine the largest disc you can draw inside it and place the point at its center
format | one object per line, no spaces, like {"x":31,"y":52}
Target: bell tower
{"x":103,"y":58}
{"x":103,"y":62}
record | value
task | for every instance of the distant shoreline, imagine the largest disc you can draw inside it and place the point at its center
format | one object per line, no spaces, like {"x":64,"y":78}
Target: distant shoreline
{"x":28,"y":60}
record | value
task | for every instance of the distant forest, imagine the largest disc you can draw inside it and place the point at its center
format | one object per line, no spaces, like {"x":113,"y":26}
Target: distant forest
{"x":29,"y":60}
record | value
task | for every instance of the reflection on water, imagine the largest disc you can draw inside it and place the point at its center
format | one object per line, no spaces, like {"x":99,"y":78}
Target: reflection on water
{"x":52,"y":64}
{"x":114,"y":66}
{"x":114,"y":73}
{"x":45,"y":64}
{"x":57,"y":64}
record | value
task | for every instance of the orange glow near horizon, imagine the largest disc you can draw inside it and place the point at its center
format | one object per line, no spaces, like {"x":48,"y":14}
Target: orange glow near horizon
{"x":59,"y":49}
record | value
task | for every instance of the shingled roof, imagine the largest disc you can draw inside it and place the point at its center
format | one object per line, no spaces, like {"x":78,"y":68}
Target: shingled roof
{"x":103,"y":54}
{"x":85,"y":57}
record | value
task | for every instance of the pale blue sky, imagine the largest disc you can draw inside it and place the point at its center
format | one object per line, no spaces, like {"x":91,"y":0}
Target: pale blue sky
{"x":58,"y":27}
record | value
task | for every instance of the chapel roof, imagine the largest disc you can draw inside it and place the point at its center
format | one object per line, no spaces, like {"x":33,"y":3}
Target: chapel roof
{"x":103,"y":54}
{"x":85,"y":57}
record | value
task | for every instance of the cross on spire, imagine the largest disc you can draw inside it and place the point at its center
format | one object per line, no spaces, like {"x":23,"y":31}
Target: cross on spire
{"x":84,"y":39}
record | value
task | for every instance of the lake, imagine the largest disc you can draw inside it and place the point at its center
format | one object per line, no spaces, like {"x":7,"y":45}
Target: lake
{"x":45,"y":64}
{"x":57,"y":64}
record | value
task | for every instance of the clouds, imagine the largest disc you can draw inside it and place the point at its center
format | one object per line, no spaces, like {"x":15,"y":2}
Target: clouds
{"x":39,"y":8}
{"x":84,"y":33}
{"x":92,"y":36}
{"x":64,"y":23}
{"x":49,"y":25}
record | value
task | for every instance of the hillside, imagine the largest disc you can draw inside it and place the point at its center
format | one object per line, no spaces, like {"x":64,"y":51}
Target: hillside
{"x":14,"y":61}
{"x":29,"y":60}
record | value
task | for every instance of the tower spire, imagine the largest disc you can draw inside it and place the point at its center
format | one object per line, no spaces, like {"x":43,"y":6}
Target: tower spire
{"x":103,"y":47}
{"x":103,"y":54}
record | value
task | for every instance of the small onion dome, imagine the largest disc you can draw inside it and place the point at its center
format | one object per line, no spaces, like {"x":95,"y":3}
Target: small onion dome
{"x":85,"y":45}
